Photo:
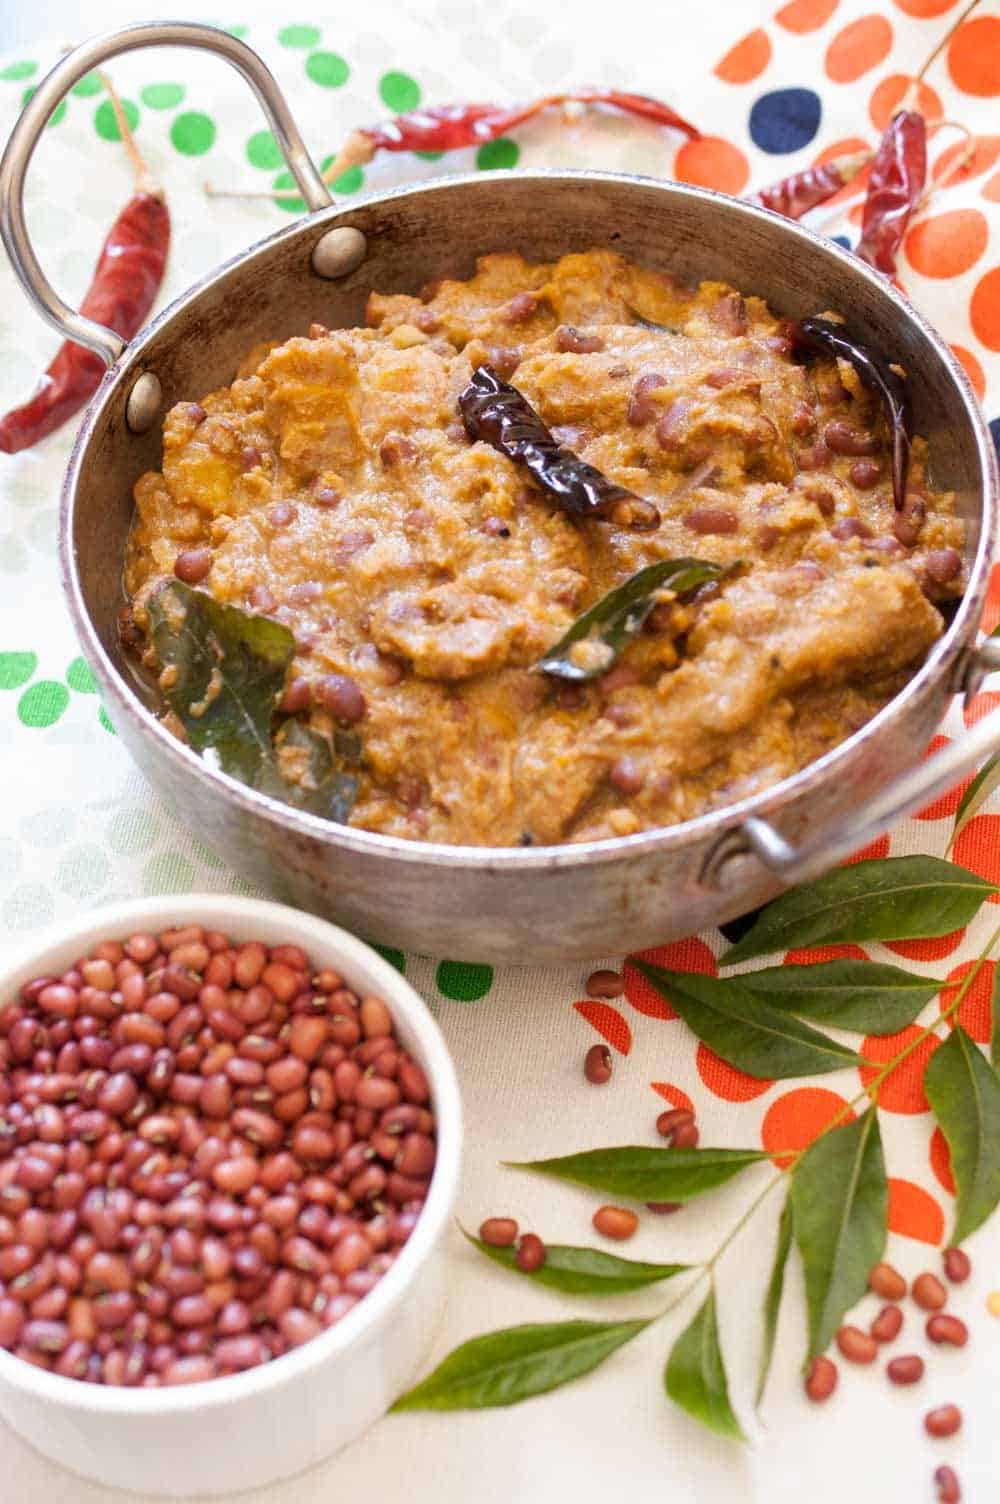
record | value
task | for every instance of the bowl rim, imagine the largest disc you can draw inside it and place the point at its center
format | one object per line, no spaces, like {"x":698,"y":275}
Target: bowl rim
{"x":940,"y":661}
{"x":341,"y":950}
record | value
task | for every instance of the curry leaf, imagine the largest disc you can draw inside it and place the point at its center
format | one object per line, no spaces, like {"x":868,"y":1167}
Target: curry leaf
{"x":695,"y":1375}
{"x":840,"y":1207}
{"x":582,"y":1271}
{"x":642,"y":1174}
{"x":595,"y":639}
{"x":506,"y":1366}
{"x":224,"y":670}
{"x":866,"y":996}
{"x":964,"y":1093}
{"x":644,"y":323}
{"x":976,"y":795}
{"x":895,"y":898}
{"x":743,"y":1030}
{"x":772,"y":1300}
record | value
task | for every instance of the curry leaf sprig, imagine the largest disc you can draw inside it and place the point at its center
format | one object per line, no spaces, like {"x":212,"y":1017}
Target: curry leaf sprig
{"x":835,"y":1212}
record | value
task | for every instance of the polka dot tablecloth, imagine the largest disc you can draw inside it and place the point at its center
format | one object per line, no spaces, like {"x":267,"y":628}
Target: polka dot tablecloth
{"x":773,"y":90}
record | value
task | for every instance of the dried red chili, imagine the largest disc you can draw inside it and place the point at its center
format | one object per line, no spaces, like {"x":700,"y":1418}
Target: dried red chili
{"x":497,"y":413}
{"x":796,"y":195}
{"x":899,"y":171}
{"x":126,"y":280}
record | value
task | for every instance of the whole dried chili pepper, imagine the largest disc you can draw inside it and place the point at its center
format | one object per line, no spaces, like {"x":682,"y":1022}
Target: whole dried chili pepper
{"x":898,"y":174}
{"x":796,"y":195}
{"x":449,"y":127}
{"x":887,"y":381}
{"x":125,"y":283}
{"x":497,"y":413}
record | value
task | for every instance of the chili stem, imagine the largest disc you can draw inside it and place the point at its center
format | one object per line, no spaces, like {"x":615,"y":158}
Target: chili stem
{"x":144,"y":180}
{"x":357,"y":151}
{"x":936,"y":53}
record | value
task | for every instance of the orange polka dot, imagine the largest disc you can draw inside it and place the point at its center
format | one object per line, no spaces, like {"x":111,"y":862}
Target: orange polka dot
{"x":940,"y":1158}
{"x":949,"y":802}
{"x":903,"y":1089}
{"x":946,"y":245}
{"x":856,"y":214}
{"x":857,"y":48}
{"x":801,"y":16}
{"x":991,"y":189}
{"x":924,"y":9}
{"x":888,"y":96}
{"x":797,"y":1117}
{"x":873,"y":852}
{"x":914,"y":1213}
{"x":974,"y":57}
{"x":975,"y":1012}
{"x":673,"y":1094}
{"x":984,"y":704}
{"x":746,"y":60}
{"x":978,"y":848}
{"x":813,"y":954}
{"x":725,"y":1081}
{"x":984,"y":309}
{"x":712,"y":163}
{"x":991,"y":610}
{"x":847,"y":147}
{"x":970,"y":365}
{"x":986,"y":152}
{"x":608,"y":1022}
{"x":928,"y":950}
{"x":681,"y":955}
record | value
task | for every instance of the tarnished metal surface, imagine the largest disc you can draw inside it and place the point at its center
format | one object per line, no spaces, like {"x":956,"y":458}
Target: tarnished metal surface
{"x":539,"y":904}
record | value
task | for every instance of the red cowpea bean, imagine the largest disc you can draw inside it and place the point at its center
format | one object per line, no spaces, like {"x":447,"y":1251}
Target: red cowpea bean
{"x":945,"y":1420}
{"x":908,"y":1369}
{"x":943,"y":1328}
{"x":857,"y":1346}
{"x":615,"y":1222}
{"x":531,"y":1253}
{"x":947,"y":1488}
{"x":821,"y":1379}
{"x":928,"y":1292}
{"x":887,"y":1324}
{"x":957,"y":1265}
{"x":886,"y":1281}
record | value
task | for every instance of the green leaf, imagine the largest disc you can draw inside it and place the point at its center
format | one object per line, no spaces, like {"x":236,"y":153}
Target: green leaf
{"x":976,"y":795}
{"x":865,"y":996}
{"x":695,"y":1375}
{"x":840,"y":1207}
{"x":740,"y":1028}
{"x":642,"y":1174}
{"x":225,"y":671}
{"x":595,"y":639}
{"x":895,"y":898}
{"x":964,"y":1094}
{"x":504,"y":1367}
{"x":772,"y":1300}
{"x":227,"y":668}
{"x":582,"y":1271}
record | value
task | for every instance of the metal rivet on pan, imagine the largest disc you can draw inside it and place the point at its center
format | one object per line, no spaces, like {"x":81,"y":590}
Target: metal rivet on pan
{"x":339,"y":252}
{"x":143,"y":403}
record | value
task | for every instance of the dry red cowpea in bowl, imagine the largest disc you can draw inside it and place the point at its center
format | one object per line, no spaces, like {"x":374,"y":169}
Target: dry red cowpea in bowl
{"x":225,"y":1148}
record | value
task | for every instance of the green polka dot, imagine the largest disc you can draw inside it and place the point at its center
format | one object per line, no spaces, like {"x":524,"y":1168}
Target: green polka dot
{"x":105,"y":123}
{"x":349,"y":181}
{"x":298,"y":36}
{"x":429,"y":156}
{"x":16,"y":669}
{"x":263,"y":151}
{"x":290,"y":205}
{"x":162,"y":96}
{"x":48,"y":827}
{"x":327,"y":69}
{"x":18,"y":70}
{"x":102,"y":716}
{"x":89,"y":84}
{"x":394,"y":957}
{"x":500,"y":153}
{"x":59,"y":113}
{"x":168,"y":872}
{"x":79,"y":677}
{"x":236,"y":31}
{"x":83,"y":871}
{"x":132,"y":831}
{"x":10,"y":859}
{"x":193,"y":133}
{"x":43,"y":703}
{"x":464,"y":981}
{"x":13,"y":554}
{"x":28,"y":907}
{"x":399,"y":92}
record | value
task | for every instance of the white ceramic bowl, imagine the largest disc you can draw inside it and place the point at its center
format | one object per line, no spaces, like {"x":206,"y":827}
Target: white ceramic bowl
{"x":251,"y":1428}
